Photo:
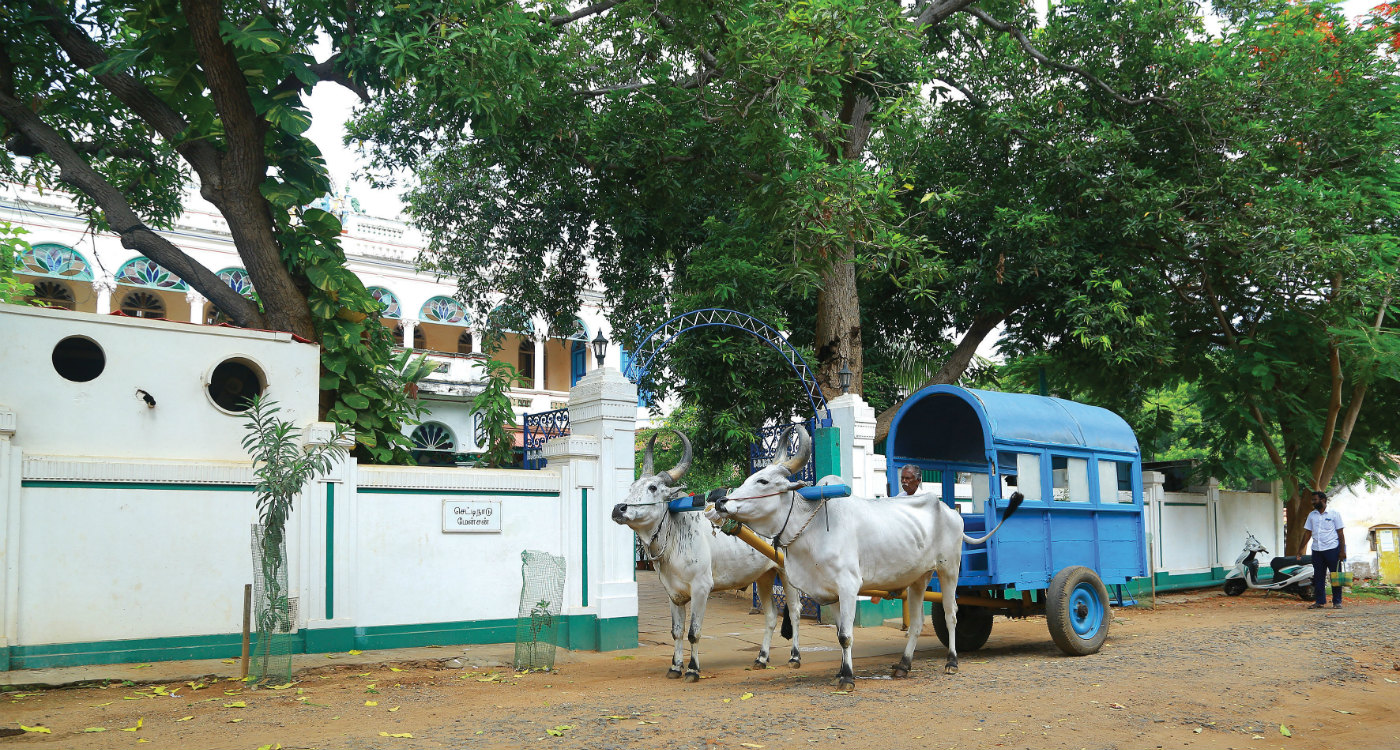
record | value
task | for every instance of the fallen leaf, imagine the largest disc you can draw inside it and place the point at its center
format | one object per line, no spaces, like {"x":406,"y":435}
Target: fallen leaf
{"x":1283,"y":730}
{"x":749,"y":744}
{"x":99,"y":705}
{"x":36,"y":730}
{"x":395,"y":708}
{"x":1257,"y":737}
{"x":395,"y":669}
{"x":840,"y":692}
{"x":234,"y":721}
{"x":405,"y":735}
{"x":371,"y":703}
{"x":141,"y":666}
{"x":726,"y":700}
{"x":94,"y":729}
{"x":745,"y":696}
{"x":236,"y":704}
{"x":228,"y":661}
{"x":139,"y":722}
{"x":282,"y":687}
{"x":354,"y":652}
{"x":1118,"y":706}
{"x":233,"y":692}
{"x":1340,"y":711}
{"x":183,"y":718}
{"x":1197,"y":730}
{"x":624,"y":658}
{"x":363,"y":674}
{"x":619,"y":717}
{"x":1387,"y":679}
{"x":159,"y":690}
{"x":143,"y":739}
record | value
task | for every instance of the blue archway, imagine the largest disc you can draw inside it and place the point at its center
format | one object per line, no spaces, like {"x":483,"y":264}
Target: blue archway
{"x":660,"y":337}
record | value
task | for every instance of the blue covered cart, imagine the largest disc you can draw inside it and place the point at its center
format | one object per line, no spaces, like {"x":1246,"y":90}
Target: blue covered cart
{"x":1079,"y":531}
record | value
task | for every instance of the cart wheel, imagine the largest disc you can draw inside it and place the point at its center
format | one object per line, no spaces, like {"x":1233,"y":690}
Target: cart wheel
{"x":974,"y":626}
{"x":1235,"y":586}
{"x":1077,"y":610}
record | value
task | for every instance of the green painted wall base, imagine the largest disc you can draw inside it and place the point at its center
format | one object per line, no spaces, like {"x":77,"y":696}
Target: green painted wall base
{"x":577,"y":633}
{"x":1166,"y":582}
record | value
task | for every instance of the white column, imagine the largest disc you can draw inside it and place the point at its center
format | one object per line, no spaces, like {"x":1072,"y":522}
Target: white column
{"x":326,"y":511}
{"x":856,"y":420}
{"x":196,"y":301}
{"x":1153,"y":488}
{"x":9,"y":535}
{"x":104,"y":288}
{"x":603,"y":408}
{"x":476,"y":341}
{"x":539,"y":364}
{"x":408,"y":325}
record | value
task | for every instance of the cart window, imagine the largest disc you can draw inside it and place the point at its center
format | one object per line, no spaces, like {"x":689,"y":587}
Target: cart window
{"x":1028,"y":476}
{"x":1071,"y":477}
{"x":1115,"y":482}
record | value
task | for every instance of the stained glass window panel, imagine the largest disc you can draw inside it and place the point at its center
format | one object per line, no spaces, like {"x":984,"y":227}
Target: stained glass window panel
{"x":58,"y":261}
{"x":148,"y":273}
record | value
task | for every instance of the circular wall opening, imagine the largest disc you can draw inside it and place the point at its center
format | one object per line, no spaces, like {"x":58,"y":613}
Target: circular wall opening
{"x":234,"y":383}
{"x":79,"y":359}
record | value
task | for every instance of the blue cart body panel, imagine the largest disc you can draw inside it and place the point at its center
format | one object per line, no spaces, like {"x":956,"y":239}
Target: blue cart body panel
{"x":1079,"y":467}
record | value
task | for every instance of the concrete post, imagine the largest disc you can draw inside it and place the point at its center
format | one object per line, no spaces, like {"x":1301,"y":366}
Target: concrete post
{"x":104,"y":288}
{"x":602,"y":418}
{"x":1153,"y":488}
{"x":9,"y":535}
{"x":196,"y":302}
{"x":856,"y":420}
{"x":327,"y":510}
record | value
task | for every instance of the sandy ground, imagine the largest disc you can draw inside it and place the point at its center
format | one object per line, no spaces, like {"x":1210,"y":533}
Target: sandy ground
{"x":1197,"y":672}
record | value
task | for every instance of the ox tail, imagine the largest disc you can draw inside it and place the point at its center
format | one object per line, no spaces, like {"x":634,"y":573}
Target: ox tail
{"x":1016,"y":499}
{"x":787,"y":624}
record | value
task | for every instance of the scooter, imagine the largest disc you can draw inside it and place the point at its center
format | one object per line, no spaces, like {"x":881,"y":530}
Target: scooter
{"x":1291,"y":574}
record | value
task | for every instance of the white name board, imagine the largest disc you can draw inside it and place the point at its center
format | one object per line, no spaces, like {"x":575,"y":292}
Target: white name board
{"x":471,"y":516}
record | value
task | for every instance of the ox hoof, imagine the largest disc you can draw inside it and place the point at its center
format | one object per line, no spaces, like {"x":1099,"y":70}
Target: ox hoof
{"x":673,"y":674}
{"x":760,"y":664}
{"x":845,"y":684}
{"x":795,"y":663}
{"x":950,"y":669}
{"x":900,"y":673}
{"x":692,"y":676}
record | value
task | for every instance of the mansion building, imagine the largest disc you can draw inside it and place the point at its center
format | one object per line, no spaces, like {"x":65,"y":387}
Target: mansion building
{"x":75,"y":268}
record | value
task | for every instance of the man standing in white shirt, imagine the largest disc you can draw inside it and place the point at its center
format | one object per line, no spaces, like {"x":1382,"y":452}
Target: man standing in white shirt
{"x":1324,"y":529}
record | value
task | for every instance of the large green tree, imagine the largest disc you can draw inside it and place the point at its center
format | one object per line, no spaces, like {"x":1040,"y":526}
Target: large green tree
{"x":133,"y":105}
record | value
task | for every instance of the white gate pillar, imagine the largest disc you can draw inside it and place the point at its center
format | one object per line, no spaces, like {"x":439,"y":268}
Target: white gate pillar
{"x":856,"y":420}
{"x":598,"y":461}
{"x":9,"y":535}
{"x":328,"y":513}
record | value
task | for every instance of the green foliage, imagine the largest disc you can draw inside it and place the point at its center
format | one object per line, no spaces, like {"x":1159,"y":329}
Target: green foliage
{"x":12,"y":290}
{"x":493,"y":408}
{"x":707,"y":471}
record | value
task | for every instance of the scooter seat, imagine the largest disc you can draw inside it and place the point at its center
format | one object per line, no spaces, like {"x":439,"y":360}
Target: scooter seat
{"x":1279,"y":563}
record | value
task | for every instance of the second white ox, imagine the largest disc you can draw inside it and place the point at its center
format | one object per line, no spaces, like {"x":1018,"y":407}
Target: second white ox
{"x":693,"y":558}
{"x":886,"y":543}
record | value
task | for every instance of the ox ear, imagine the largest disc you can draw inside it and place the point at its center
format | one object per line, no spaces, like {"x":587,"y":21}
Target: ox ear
{"x":677,"y":491}
{"x":799,"y":484}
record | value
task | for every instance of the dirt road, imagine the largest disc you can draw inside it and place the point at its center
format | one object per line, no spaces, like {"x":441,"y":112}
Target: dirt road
{"x":1201,"y":673}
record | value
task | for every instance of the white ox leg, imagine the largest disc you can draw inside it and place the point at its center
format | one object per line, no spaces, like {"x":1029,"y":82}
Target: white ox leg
{"x":764,"y":588}
{"x":914,"y":605}
{"x":948,"y":584}
{"x":845,"y":626}
{"x":794,"y":611}
{"x":677,"y":631}
{"x":698,"y":598}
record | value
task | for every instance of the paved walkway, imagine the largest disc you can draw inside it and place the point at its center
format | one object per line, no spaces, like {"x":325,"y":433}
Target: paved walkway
{"x":731,"y":638}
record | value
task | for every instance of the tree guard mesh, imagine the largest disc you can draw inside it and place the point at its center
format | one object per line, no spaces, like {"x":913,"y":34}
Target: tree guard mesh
{"x":274,"y":612}
{"x":541,"y":595}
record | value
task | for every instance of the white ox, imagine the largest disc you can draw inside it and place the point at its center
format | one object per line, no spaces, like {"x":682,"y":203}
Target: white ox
{"x":887,"y":544}
{"x":693,"y":558}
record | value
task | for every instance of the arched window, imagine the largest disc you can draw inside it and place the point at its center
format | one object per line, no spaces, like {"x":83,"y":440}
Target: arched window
{"x":54,"y":294}
{"x":527,"y":363}
{"x":146,"y":272}
{"x":57,"y":261}
{"x":237,"y":280}
{"x":464,"y":343}
{"x":433,"y":444}
{"x":388,"y":300}
{"x":444,"y":310}
{"x":143,"y":305}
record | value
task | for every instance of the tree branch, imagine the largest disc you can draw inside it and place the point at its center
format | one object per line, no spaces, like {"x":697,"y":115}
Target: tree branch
{"x":1039,"y":56}
{"x":134,"y":233}
{"x":19,"y":145}
{"x":952,"y":369}
{"x":87,"y":54}
{"x":591,"y":10}
{"x":937,"y":12}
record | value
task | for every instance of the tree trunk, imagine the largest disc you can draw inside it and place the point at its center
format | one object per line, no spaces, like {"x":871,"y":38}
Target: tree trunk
{"x":838,"y":339}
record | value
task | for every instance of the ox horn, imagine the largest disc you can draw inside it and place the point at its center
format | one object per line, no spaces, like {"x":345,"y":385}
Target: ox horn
{"x":790,"y":462}
{"x":648,"y":460}
{"x":675,"y":473}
